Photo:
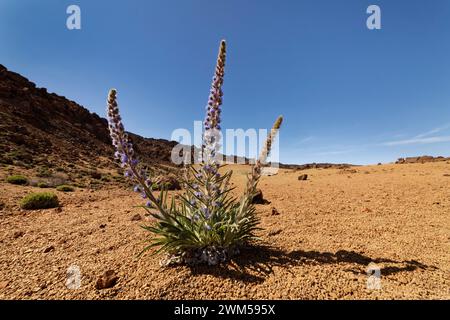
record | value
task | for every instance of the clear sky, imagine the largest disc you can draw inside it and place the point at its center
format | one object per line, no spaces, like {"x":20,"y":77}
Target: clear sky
{"x":348,"y":94}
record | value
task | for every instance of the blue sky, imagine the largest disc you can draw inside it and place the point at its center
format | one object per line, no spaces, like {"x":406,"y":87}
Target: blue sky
{"x":348,"y":94}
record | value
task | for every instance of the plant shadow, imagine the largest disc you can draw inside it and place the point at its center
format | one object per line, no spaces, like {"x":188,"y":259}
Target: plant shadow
{"x":255,"y":263}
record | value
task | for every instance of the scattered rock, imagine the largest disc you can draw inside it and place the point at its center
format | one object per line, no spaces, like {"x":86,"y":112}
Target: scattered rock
{"x":95,"y":174}
{"x":168,"y":182}
{"x":274,"y":232}
{"x":18,"y":234}
{"x":347,"y":171}
{"x":49,"y":249}
{"x":3,"y":284}
{"x":102,"y":226}
{"x":303,"y":177}
{"x":366,"y":210}
{"x":2,"y":205}
{"x":136,"y":217}
{"x":275,"y":211}
{"x":107,"y":280}
{"x":258,"y":198}
{"x":58,"y":210}
{"x":445,"y":175}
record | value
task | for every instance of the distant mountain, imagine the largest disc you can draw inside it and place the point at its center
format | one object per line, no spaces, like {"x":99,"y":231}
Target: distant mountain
{"x":316,"y":166}
{"x":421,"y":159}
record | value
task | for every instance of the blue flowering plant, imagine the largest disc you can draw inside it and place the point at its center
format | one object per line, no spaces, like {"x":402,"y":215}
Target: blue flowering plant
{"x":205,"y":224}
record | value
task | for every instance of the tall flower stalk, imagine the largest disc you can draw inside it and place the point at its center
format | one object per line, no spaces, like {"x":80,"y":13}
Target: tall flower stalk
{"x":206,"y":224}
{"x":125,"y":153}
{"x":212,"y":135}
{"x":261,"y":161}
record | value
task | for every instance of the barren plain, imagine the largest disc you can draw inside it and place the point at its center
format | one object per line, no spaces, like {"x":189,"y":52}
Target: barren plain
{"x":318,"y":238}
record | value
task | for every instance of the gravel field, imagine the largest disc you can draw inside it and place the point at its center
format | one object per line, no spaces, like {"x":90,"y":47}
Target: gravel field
{"x":319,"y":237}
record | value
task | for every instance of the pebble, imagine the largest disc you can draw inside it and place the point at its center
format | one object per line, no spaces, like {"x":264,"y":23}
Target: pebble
{"x":3,"y":284}
{"x":49,"y":249}
{"x":136,"y":217}
{"x":18,"y":234}
{"x":106,"y":280}
{"x":275,"y":211}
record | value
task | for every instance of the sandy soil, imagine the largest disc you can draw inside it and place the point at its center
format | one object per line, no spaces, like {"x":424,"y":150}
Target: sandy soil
{"x":329,"y":229}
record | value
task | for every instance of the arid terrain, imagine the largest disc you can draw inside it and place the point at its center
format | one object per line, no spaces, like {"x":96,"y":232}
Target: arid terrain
{"x":320,"y":233}
{"x":319,"y":237}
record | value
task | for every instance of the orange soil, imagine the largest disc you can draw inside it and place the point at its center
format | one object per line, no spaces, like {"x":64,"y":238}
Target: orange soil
{"x":329,"y":229}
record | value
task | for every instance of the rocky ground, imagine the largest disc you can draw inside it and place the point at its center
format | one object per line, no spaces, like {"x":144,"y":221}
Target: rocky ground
{"x":320,"y":235}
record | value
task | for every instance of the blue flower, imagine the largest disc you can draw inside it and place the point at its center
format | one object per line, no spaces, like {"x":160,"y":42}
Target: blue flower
{"x":198,"y":194}
{"x":206,"y":213}
{"x":212,"y":118}
{"x":128,"y":173}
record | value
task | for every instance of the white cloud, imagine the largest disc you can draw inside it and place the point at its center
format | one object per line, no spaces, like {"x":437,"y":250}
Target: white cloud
{"x":417,"y":140}
{"x":305,"y":140}
{"x":433,"y":131}
{"x":330,"y":153}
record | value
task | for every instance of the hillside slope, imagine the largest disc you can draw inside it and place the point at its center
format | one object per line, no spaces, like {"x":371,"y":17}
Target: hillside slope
{"x":38,"y":128}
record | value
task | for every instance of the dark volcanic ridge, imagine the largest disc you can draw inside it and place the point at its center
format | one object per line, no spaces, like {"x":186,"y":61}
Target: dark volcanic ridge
{"x":38,"y":128}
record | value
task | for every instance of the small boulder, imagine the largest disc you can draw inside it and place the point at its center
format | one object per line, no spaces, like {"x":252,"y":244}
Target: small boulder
{"x":4,"y":284}
{"x":303,"y":177}
{"x":168,"y":182}
{"x":107,"y":280}
{"x":136,"y":217}
{"x":18,"y":234}
{"x":49,"y":249}
{"x":275,"y":211}
{"x":274,"y":232}
{"x":258,"y":198}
